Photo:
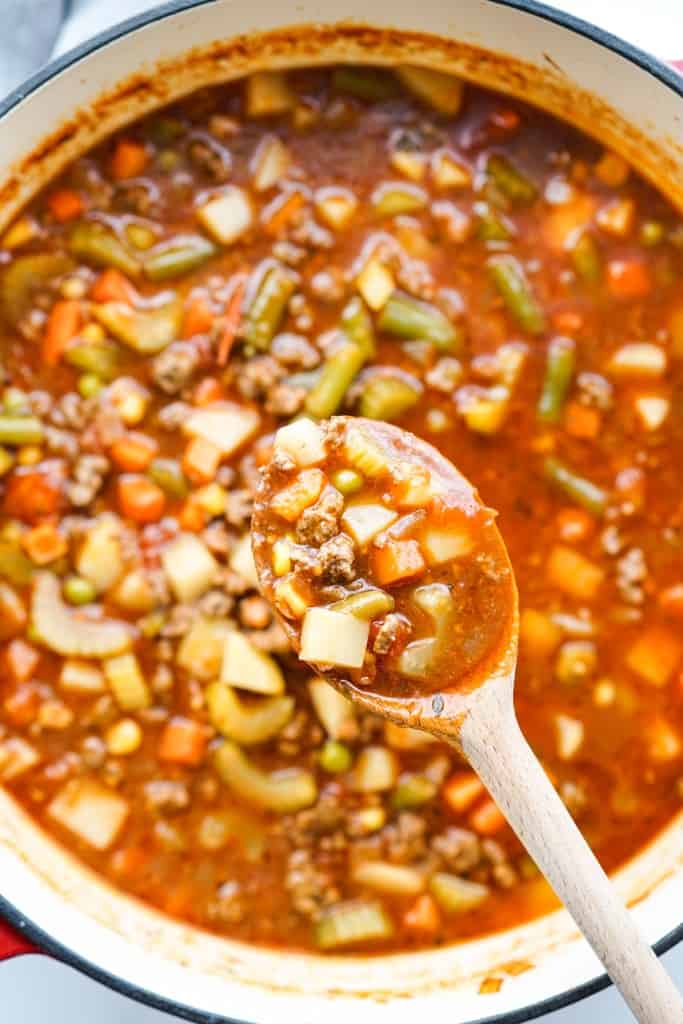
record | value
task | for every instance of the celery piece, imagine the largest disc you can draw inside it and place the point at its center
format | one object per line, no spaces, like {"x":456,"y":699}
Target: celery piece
{"x":387,"y":396}
{"x":509,"y":180}
{"x":352,"y":923}
{"x":284,"y":791}
{"x":177,"y":256}
{"x":95,"y":243}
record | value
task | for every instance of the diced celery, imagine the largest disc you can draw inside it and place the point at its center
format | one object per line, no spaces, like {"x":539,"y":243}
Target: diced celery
{"x":387,"y":396}
{"x":284,"y":791}
{"x":363,"y":454}
{"x":62,"y":629}
{"x":457,"y":895}
{"x":352,"y":923}
{"x":95,"y":243}
{"x":333,"y":638}
{"x":247,"y":724}
{"x":248,"y":668}
{"x":147,"y":331}
{"x":416,"y":659}
{"x":413,"y":790}
{"x":177,"y":256}
{"x":189,"y":566}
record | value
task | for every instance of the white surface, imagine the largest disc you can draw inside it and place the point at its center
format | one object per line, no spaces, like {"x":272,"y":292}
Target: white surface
{"x":34,"y":990}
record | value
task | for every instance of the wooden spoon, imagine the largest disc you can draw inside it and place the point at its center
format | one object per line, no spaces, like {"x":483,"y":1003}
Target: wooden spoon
{"x":467,"y":703}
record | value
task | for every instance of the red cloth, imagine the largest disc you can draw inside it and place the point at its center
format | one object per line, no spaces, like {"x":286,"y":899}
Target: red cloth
{"x":12,"y":943}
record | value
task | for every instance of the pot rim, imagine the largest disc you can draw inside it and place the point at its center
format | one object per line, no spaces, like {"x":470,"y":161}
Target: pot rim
{"x":47,"y":942}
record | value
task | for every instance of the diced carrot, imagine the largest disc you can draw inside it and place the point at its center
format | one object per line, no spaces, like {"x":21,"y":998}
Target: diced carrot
{"x":207,"y":391}
{"x":113,"y":286}
{"x":539,"y":636}
{"x":422,"y":916}
{"x":23,"y":704}
{"x":139,"y":499}
{"x":21,"y":660}
{"x":44,"y":544}
{"x":291,"y":501}
{"x":461,"y":790}
{"x":183,"y":741}
{"x":65,"y":204}
{"x":279,"y":213}
{"x":133,"y":452}
{"x":655,"y":655}
{"x":564,"y":222}
{"x":198,"y":317}
{"x":611,"y":169}
{"x":192,"y":516}
{"x":130,"y":860}
{"x":397,"y":561}
{"x":582,"y":421}
{"x":180,"y":900}
{"x":628,"y":279}
{"x":670,"y":601}
{"x":505,"y":121}
{"x":63,"y":324}
{"x":567,"y":321}
{"x":33,"y":495}
{"x":486,"y":819}
{"x":231,"y":320}
{"x":129,"y":159}
{"x":574,"y":524}
{"x":573,"y":573}
{"x":201,"y":461}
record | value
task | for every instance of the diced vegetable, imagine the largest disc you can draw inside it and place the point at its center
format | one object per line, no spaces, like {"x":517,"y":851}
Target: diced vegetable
{"x":248,"y":668}
{"x":200,"y":651}
{"x":509,"y":180}
{"x":375,"y":770}
{"x":176,"y":256}
{"x":352,"y":923}
{"x":486,"y":819}
{"x":247,"y":724}
{"x":242,"y":561}
{"x":335,"y":711}
{"x":303,"y":441}
{"x":284,"y":791}
{"x":400,"y":737}
{"x":411,"y":318}
{"x":397,"y":561}
{"x":443,"y":544}
{"x":457,"y":895}
{"x":20,"y":430}
{"x":416,"y":658}
{"x":509,"y":278}
{"x":139,"y":499}
{"x":363,"y":454}
{"x":365,"y":83}
{"x":559,"y":370}
{"x":655,"y":655}
{"x":539,"y":636}
{"x":189,"y":566}
{"x":95,"y":243}
{"x":339,"y":370}
{"x":24,"y":277}
{"x":638,"y":359}
{"x":573,"y":573}
{"x":146,"y":331}
{"x":81,"y":677}
{"x":13,"y":616}
{"x":448,"y":172}
{"x":62,"y":630}
{"x":570,"y":733}
{"x":387,"y":396}
{"x":127,"y":682}
{"x":228,"y":216}
{"x":333,"y":638}
{"x":270,"y":163}
{"x":268,"y":306}
{"x":220,"y":828}
{"x":462,"y":790}
{"x":387,"y":877}
{"x":413,"y":790}
{"x":392,"y":198}
{"x":363,"y":522}
{"x":101,"y":359}
{"x":224,"y":424}
{"x":584,"y":492}
{"x":439,"y":90}
{"x":297,"y":496}
{"x":335,"y":206}
{"x":183,"y":741}
{"x":334,"y":757}
{"x":663,"y":741}
{"x":16,"y":757}
{"x":586,"y":258}
{"x":268,"y":94}
{"x":90,"y":810}
{"x":652,"y":410}
{"x":576,"y":661}
{"x":99,"y":560}
{"x":375,"y":283}
{"x":365,"y":604}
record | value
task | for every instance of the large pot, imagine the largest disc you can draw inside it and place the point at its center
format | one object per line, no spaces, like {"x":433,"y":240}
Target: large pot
{"x":571,"y":69}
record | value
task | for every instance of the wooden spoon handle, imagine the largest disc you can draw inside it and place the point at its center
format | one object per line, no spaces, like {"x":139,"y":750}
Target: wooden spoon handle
{"x":493,"y":743}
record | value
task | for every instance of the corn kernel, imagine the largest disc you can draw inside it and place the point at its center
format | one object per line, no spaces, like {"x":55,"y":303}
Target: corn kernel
{"x":123,"y":737}
{"x":29,"y":455}
{"x":93,"y":333}
{"x":211,"y":499}
{"x":73,"y":288}
{"x":282,"y":562}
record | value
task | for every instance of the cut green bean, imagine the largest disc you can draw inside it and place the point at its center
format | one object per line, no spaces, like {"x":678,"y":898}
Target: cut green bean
{"x":93,"y":242}
{"x":364,"y":83}
{"x":509,"y":180}
{"x":21,"y":430}
{"x":586,"y":259}
{"x":177,"y":256}
{"x":101,"y":358}
{"x":388,"y":396}
{"x":338,"y":372}
{"x":492,"y":226}
{"x":268,"y":307}
{"x":392,"y":199}
{"x":509,"y":278}
{"x":407,"y":317}
{"x":577,"y":488}
{"x":559,"y":370}
{"x":366,"y":604}
{"x":357,"y":325}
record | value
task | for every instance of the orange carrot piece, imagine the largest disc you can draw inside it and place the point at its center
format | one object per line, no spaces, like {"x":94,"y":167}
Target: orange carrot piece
{"x":582,"y":421}
{"x":139,"y":499}
{"x":231,"y":320}
{"x":423,"y":915}
{"x":129,"y":861}
{"x":461,"y":790}
{"x":113,"y":286}
{"x":655,"y":655}
{"x":192,"y":516}
{"x":567,"y":321}
{"x":21,"y":660}
{"x":201,"y":461}
{"x":22,"y":705}
{"x":486,"y":819}
{"x":574,"y":524}
{"x":279,"y":213}
{"x":31,"y":496}
{"x":207,"y":391}
{"x":65,"y":204}
{"x":397,"y":561}
{"x":183,"y":741}
{"x":133,"y":452}
{"x":670,"y":601}
{"x":198,"y":317}
{"x":44,"y":544}
{"x":63,"y":324}
{"x":628,"y":279}
{"x":129,"y":159}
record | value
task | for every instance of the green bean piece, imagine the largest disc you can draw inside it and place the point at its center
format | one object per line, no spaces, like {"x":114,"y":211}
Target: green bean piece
{"x":177,"y":256}
{"x":364,"y":83}
{"x":21,"y":430}
{"x":338,"y":372}
{"x":388,"y":396}
{"x":365,"y":605}
{"x":407,"y":317}
{"x":147,"y":331}
{"x":168,"y":475}
{"x":26,"y":275}
{"x":586,"y":259}
{"x":357,"y":325}
{"x":14,"y":565}
{"x":100,"y":358}
{"x":268,"y":307}
{"x":391,"y":200}
{"x":78,"y":590}
{"x":577,"y":488}
{"x":335,"y":757}
{"x":509,"y":278}
{"x":492,"y":226}
{"x":347,"y":481}
{"x":509,"y":180}
{"x":94,"y":243}
{"x":559,"y":370}
{"x":413,"y":790}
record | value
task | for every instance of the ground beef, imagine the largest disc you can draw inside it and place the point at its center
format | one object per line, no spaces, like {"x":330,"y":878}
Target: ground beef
{"x":459,"y":849}
{"x":71,"y":411}
{"x":594,"y":389}
{"x":179,"y":620}
{"x":311,"y":234}
{"x":238,"y":507}
{"x":172,"y":415}
{"x":295,"y":350}
{"x":320,"y":522}
{"x":310,"y":888}
{"x":138,"y":197}
{"x":212,"y":158}
{"x":227,"y":907}
{"x":218,"y":538}
{"x":631,"y":573}
{"x":163,"y":796}
{"x":336,"y":560}
{"x":392,"y":628}
{"x":173,"y":368}
{"x":445,"y":375}
{"x":328,"y":285}
{"x":88,"y":477}
{"x":254,"y":612}
{"x":285,"y":400}
{"x":287,"y":252}
{"x":61,"y":442}
{"x":257,"y":377}
{"x":216,"y":604}
{"x":404,"y":840}
{"x":272,"y":640}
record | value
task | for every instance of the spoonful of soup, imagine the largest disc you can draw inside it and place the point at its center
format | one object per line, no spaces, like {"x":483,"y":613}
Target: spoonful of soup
{"x":393,"y":582}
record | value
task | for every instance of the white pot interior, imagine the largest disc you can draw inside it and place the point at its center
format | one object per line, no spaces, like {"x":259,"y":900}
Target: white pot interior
{"x":495,"y":45}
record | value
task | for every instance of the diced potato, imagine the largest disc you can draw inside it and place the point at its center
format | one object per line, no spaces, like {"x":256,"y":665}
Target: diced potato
{"x":576,"y":661}
{"x":134,"y":592}
{"x":270,"y":163}
{"x":81,"y":677}
{"x":99,"y":560}
{"x":127,"y":682}
{"x":375,"y":283}
{"x":439,"y":90}
{"x":363,"y":522}
{"x":375,"y":770}
{"x":441,"y":545}
{"x":573,"y":573}
{"x":189,"y":566}
{"x":539,"y":636}
{"x":616,"y":218}
{"x":201,"y":650}
{"x":335,"y":711}
{"x":387,"y":877}
{"x":638,"y":359}
{"x":448,"y":172}
{"x":663,"y":742}
{"x":228,"y":216}
{"x":242,"y":561}
{"x":456,"y":895}
{"x":303,"y":491}
{"x":91,"y":811}
{"x":570,"y":734}
{"x":268,"y":94}
{"x":333,"y":638}
{"x":16,"y":757}
{"x":409,"y":163}
{"x":483,"y":409}
{"x":248,"y":668}
{"x":303,"y":441}
{"x":652,"y":410}
{"x":655,"y":655}
{"x":335,"y":206}
{"x":226,"y":425}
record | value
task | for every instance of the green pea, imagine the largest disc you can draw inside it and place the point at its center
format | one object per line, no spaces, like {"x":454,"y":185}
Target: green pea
{"x":78,"y":590}
{"x":334,"y":757}
{"x":89,"y":385}
{"x":347,"y":481}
